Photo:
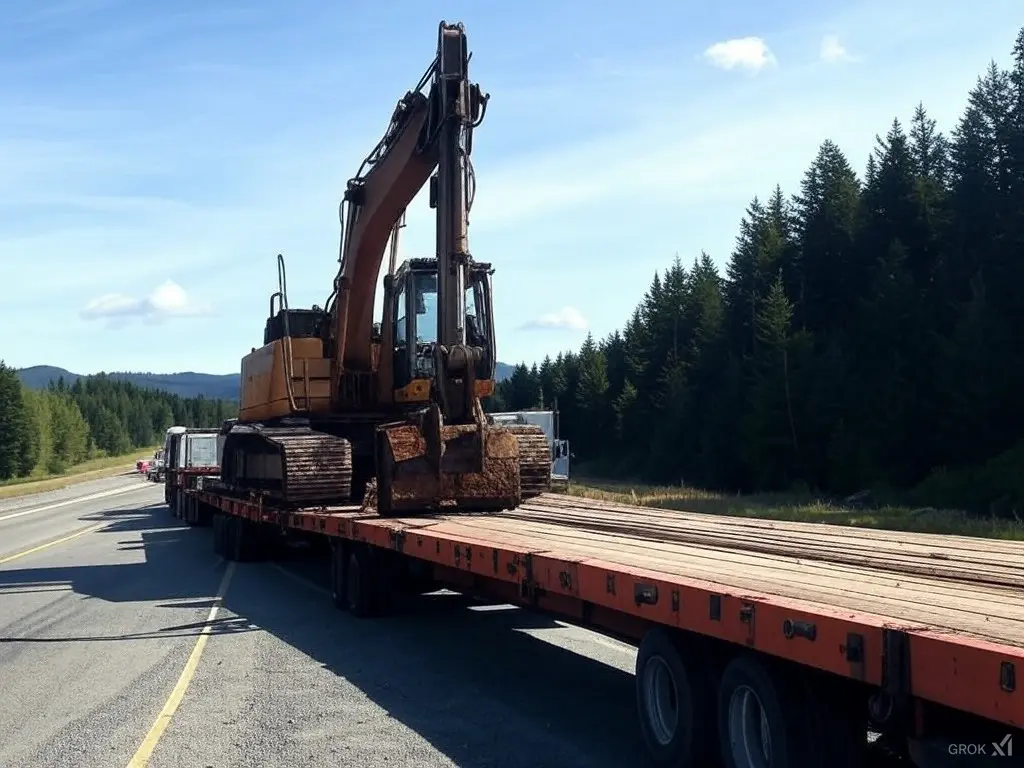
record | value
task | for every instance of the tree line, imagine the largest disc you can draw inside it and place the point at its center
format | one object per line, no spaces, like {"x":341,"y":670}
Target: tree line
{"x":49,"y":430}
{"x":866,"y":332}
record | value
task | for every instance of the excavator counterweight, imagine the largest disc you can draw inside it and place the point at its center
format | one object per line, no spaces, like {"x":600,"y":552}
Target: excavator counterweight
{"x":336,"y":408}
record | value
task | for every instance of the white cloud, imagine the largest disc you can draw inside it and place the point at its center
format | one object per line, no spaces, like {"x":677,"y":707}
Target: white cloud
{"x":567,"y":319}
{"x":167,"y":301}
{"x":833,"y":51}
{"x":749,"y":53}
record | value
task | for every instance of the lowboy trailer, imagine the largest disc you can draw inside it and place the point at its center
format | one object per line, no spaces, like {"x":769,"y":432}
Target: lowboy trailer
{"x":820,"y":633}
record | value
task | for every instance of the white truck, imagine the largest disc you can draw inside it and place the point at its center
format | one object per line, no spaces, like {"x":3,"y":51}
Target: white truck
{"x":548,"y":421}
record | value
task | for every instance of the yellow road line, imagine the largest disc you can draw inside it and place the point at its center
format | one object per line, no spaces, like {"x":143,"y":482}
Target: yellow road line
{"x":49,"y":544}
{"x":145,"y":751}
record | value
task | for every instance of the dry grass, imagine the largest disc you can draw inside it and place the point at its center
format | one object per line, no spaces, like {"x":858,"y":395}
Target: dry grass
{"x":94,"y":469}
{"x":800,"y":509}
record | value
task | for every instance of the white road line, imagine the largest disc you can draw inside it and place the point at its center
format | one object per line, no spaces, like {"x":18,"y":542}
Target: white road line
{"x":69,"y":502}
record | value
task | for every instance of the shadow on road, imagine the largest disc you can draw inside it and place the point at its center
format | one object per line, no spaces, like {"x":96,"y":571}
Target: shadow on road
{"x":168,"y":566}
{"x":471,"y":682}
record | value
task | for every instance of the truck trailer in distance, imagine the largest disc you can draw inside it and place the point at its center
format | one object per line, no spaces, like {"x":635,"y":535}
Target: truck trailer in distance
{"x":172,"y":443}
{"x":548,"y":421}
{"x":190,"y":455}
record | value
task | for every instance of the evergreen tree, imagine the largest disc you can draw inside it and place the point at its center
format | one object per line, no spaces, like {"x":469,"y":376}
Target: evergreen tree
{"x":13,"y":434}
{"x":861,"y":334}
{"x":50,"y":430}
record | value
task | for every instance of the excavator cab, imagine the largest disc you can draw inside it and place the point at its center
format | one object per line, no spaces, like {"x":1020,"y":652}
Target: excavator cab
{"x":414,"y":320}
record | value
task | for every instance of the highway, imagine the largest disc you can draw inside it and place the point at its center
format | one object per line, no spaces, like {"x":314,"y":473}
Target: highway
{"x":116,"y":651}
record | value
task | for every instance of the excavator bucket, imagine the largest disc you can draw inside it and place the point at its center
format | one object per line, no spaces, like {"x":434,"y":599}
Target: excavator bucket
{"x":429,"y":466}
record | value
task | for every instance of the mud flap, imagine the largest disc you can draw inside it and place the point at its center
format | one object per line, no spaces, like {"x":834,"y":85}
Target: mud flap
{"x":462,"y":468}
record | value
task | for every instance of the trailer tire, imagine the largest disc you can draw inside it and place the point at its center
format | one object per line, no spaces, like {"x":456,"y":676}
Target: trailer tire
{"x":674,"y":700}
{"x":762,"y":718}
{"x":362,"y":595}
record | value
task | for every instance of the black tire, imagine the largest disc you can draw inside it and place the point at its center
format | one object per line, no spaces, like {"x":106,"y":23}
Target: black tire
{"x":339,"y":570}
{"x":753,"y":698}
{"x":675,"y":702}
{"x":362,"y":596}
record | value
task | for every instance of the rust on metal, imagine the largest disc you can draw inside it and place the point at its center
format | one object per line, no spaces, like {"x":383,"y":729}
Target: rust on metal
{"x":415,"y":485}
{"x":292,"y":466}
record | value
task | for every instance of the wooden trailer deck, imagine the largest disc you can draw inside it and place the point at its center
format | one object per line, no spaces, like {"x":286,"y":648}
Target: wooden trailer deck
{"x":841,"y":599}
{"x":954,"y":583}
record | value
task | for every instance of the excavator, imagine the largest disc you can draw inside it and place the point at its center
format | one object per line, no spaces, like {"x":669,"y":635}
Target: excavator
{"x":336,"y":409}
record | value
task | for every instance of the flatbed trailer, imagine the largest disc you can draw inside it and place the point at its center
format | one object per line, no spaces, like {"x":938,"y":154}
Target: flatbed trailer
{"x":821,"y":633}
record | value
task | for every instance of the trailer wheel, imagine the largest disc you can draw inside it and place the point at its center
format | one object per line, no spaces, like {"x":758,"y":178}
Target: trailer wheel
{"x":361,"y":583}
{"x":763,"y":716}
{"x":674,"y":701}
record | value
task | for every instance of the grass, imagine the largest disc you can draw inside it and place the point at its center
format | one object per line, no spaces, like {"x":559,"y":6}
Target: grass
{"x":799,"y":508}
{"x":94,"y":469}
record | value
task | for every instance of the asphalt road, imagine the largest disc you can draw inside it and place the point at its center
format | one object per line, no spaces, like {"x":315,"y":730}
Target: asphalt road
{"x":99,"y":662}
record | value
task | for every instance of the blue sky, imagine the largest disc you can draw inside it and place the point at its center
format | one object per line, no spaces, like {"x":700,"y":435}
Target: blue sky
{"x":154,"y":158}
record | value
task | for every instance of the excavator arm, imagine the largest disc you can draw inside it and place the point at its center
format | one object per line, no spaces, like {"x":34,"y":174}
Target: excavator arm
{"x":427,"y":131}
{"x":444,"y":453}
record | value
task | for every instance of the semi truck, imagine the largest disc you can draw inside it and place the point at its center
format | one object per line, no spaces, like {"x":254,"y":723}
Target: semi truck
{"x":190,"y":455}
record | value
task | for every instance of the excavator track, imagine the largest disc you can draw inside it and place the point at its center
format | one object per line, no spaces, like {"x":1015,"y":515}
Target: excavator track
{"x":294,"y":466}
{"x":534,"y":459}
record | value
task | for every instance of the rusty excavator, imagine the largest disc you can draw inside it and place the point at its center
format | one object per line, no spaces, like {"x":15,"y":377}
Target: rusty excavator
{"x":337,"y":409}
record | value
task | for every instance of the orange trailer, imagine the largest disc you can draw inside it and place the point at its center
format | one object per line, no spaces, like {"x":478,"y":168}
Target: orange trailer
{"x":814,"y":634}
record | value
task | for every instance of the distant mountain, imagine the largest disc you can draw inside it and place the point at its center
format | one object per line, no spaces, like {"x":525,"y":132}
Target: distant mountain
{"x":185,"y":384}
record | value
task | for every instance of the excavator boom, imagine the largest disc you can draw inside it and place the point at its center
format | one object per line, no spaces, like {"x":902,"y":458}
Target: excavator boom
{"x":427,"y":131}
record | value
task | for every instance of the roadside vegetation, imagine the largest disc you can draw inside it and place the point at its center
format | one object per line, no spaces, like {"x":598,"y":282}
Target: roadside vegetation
{"x":60,"y":429}
{"x":863,"y":340}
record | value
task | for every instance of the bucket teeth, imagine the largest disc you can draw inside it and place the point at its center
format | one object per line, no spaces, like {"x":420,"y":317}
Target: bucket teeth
{"x":516,"y":465}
